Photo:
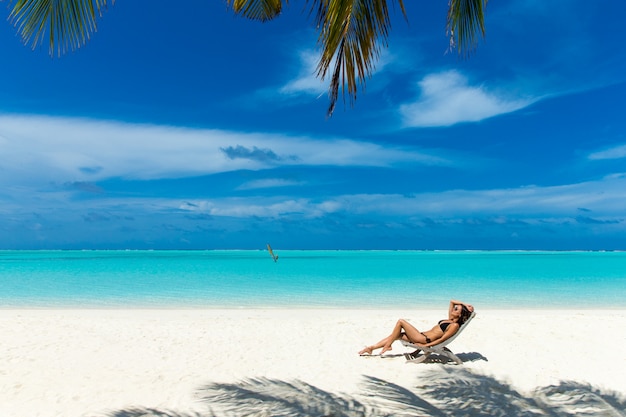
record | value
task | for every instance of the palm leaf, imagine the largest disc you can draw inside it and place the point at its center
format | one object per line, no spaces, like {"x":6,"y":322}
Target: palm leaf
{"x":466,"y":20}
{"x":353,"y":31}
{"x":67,"y":23}
{"x":262,"y":10}
{"x":351,"y":34}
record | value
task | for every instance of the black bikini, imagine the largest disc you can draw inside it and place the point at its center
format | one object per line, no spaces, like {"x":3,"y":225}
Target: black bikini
{"x":442,"y":326}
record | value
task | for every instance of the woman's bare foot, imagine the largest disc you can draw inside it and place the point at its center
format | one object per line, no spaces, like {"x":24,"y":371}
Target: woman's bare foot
{"x":385,"y":349}
{"x":366,"y":351}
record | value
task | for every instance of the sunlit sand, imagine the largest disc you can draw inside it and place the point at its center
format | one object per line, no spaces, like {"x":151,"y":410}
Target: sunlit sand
{"x":106,"y":362}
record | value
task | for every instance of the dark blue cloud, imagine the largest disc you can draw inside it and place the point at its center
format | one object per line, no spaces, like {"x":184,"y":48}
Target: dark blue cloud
{"x":589,"y":220}
{"x":86,"y":187}
{"x":90,"y":170}
{"x":94,"y":217}
{"x":254,"y":154}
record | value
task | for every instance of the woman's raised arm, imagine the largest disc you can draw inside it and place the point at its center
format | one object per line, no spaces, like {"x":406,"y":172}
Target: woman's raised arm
{"x":453,"y":302}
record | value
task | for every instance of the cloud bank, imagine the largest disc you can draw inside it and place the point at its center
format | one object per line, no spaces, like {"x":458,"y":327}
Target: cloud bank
{"x":39,"y":148}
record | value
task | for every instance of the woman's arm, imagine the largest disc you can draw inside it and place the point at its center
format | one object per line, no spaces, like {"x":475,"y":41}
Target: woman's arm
{"x":468,"y":306}
{"x":451,"y":308}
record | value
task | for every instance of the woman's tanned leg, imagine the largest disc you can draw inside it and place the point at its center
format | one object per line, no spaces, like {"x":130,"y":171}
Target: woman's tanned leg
{"x":401,"y":328}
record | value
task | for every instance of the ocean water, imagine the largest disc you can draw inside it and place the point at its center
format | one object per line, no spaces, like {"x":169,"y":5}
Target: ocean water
{"x":312,"y":279}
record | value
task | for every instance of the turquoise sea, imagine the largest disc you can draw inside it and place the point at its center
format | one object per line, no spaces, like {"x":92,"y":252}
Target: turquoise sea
{"x":318,"y":279}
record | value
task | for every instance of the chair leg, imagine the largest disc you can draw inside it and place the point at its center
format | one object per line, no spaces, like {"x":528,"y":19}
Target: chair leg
{"x":419,"y":359}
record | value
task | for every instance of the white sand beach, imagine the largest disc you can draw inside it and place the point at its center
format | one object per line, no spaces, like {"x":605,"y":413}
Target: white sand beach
{"x":75,"y":363}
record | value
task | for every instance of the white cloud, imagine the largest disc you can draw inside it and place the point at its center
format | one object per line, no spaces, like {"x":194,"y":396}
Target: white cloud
{"x":605,"y":197}
{"x":251,"y":207}
{"x":616,"y":152}
{"x":53,"y":149}
{"x":447,"y":99}
{"x":36,"y":150}
{"x":306,"y":82}
{"x":600,"y":204}
{"x":268,"y":183}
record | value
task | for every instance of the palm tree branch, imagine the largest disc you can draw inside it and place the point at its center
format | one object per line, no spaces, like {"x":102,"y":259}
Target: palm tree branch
{"x":465,"y":22}
{"x":68,"y":23}
{"x":262,"y":10}
{"x":351,"y":33}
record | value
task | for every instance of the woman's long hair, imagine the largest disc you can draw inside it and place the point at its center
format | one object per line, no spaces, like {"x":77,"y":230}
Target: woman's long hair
{"x":465,"y":315}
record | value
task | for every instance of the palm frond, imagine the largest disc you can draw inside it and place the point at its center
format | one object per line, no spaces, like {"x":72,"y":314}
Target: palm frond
{"x":68,"y":24}
{"x":466,"y":20}
{"x":262,"y":10}
{"x":351,"y":34}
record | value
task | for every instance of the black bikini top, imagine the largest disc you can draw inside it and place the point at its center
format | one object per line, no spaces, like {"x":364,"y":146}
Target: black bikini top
{"x":443,"y":326}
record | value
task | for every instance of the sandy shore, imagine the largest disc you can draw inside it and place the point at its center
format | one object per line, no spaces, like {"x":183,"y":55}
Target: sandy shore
{"x":74,"y":363}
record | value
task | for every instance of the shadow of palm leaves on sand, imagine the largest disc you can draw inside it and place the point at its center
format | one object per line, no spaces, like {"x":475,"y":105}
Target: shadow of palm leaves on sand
{"x":472,"y":357}
{"x":267,"y":397}
{"x":459,"y":392}
{"x":152,"y":412}
{"x":442,"y":392}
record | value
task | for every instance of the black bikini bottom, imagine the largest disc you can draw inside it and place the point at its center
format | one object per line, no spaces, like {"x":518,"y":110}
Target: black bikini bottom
{"x":427,"y":338}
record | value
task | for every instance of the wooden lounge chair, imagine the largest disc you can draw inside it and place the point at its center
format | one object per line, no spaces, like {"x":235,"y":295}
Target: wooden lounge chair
{"x":440,"y":349}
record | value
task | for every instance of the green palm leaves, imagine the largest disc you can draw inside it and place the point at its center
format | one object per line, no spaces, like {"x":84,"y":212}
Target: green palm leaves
{"x":351,"y":32}
{"x":68,"y":24}
{"x":465,"y":21}
{"x":262,"y":10}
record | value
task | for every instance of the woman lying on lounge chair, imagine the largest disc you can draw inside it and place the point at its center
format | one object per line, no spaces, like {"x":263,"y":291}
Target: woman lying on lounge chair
{"x":458,"y":313}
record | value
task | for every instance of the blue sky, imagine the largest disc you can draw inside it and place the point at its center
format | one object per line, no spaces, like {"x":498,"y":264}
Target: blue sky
{"x":190,"y":128}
